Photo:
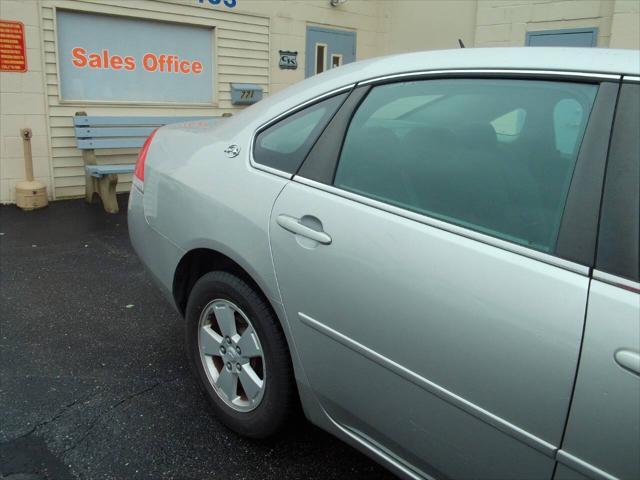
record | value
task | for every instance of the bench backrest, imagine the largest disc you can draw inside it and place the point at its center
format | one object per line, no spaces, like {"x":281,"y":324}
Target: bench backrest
{"x":94,"y":132}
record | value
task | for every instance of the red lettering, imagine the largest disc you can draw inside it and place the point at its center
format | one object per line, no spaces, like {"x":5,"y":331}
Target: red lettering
{"x":79,"y":59}
{"x":185,"y":66}
{"x":95,"y":61}
{"x":130,"y":63}
{"x":172,"y":60}
{"x":116,"y":62}
{"x":150,"y":62}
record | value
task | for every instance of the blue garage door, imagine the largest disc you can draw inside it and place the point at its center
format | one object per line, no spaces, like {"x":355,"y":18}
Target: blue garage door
{"x":328,"y":48}
{"x":576,"y":37}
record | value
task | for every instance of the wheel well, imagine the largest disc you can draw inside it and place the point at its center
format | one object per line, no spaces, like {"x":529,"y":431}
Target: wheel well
{"x":198,"y":262}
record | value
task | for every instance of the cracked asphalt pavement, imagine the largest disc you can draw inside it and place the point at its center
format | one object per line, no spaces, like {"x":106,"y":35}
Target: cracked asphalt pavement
{"x":94,"y":381}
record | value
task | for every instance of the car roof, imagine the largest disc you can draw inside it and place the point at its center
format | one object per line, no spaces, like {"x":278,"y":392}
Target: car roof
{"x":587,"y":60}
{"x":596,"y":60}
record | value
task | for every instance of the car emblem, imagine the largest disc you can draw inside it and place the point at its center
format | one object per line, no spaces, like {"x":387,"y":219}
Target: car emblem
{"x":232,"y":151}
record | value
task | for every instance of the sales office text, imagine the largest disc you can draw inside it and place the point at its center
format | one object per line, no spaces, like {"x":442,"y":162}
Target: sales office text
{"x":151,"y":62}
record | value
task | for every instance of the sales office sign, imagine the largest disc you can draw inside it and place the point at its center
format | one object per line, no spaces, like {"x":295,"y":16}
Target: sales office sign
{"x":151,"y":62}
{"x":122,"y":59}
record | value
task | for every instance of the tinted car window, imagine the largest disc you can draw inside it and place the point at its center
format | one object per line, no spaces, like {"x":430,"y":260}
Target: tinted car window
{"x":285,"y":145}
{"x":496,"y":156}
{"x":619,"y":237}
{"x":567,"y":121}
{"x":508,"y":127}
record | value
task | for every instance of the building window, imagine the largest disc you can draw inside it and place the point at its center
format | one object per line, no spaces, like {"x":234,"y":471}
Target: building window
{"x":336,"y":60}
{"x":572,"y":37}
{"x":112,"y":58}
{"x":321,"y":57}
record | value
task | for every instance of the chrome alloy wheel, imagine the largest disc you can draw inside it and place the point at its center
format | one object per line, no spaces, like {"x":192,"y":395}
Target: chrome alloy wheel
{"x":231,"y":354}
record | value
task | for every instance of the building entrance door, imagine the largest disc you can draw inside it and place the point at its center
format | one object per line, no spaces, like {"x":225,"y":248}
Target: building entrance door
{"x":328,"y":48}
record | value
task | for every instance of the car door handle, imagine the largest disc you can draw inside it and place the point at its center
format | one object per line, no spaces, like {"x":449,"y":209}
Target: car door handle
{"x":628,"y":360}
{"x":294,"y":225}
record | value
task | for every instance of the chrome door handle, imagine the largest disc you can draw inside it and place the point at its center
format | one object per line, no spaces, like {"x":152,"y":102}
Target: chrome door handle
{"x":294,"y":225}
{"x":628,"y":360}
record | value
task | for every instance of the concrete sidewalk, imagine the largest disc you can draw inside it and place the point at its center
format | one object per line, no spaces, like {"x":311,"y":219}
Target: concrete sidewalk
{"x":94,"y":383}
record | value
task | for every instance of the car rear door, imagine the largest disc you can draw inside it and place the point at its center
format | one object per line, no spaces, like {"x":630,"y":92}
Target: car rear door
{"x":603,"y":432}
{"x":435,"y":273}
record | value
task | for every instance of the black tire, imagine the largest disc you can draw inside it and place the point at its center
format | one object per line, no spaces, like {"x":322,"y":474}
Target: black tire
{"x":279,"y":398}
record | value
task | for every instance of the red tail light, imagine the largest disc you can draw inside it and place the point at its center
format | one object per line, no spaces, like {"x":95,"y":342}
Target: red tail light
{"x":138,"y":173}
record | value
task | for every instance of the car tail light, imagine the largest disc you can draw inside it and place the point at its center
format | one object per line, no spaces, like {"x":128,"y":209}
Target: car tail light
{"x":138,"y":173}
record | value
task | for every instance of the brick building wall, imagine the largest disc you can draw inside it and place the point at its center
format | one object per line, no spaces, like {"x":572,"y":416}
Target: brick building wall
{"x":23,"y":104}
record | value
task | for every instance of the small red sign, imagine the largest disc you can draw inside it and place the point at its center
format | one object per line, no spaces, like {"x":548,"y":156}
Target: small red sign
{"x":13,"y":53}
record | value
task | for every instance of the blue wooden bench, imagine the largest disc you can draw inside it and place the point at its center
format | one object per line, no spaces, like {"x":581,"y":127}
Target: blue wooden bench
{"x":97,"y":132}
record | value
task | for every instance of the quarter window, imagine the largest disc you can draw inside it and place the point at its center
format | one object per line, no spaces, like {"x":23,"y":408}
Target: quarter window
{"x":285,"y":145}
{"x":495,"y":156}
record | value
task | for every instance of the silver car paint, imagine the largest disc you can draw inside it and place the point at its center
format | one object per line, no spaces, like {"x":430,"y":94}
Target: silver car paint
{"x":436,"y":319}
{"x":184,"y":207}
{"x":606,"y":405}
{"x":196,"y":191}
{"x":159,"y":255}
{"x":197,"y":197}
{"x":565,"y":473}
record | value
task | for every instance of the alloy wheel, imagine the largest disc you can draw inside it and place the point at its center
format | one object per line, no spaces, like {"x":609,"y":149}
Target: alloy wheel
{"x":232,"y":355}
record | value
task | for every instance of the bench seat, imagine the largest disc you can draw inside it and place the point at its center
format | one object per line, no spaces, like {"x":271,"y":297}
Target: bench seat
{"x":99,"y":171}
{"x":99,"y":132}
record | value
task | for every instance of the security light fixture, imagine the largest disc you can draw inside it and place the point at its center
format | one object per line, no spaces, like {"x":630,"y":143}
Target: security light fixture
{"x":335,"y":3}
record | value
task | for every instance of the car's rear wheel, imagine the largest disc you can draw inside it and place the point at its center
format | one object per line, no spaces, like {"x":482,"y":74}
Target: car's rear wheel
{"x":239,"y":355}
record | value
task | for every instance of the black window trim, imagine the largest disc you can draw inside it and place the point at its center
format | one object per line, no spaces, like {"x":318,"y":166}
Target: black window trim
{"x":579,"y":226}
{"x":613,"y":262}
{"x":282,"y":116}
{"x":578,"y":247}
{"x":329,"y":144}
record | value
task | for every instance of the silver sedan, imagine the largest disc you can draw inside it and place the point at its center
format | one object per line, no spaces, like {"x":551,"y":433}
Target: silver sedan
{"x":435,"y":255}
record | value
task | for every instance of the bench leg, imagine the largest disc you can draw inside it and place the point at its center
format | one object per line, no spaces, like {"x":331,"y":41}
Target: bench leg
{"x":107,"y":192}
{"x":89,"y":158}
{"x":90,"y":188}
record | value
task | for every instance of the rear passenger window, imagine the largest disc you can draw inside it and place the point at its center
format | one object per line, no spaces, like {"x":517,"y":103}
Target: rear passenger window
{"x":285,"y":145}
{"x":495,"y":156}
{"x":508,"y":127}
{"x":567,"y":120}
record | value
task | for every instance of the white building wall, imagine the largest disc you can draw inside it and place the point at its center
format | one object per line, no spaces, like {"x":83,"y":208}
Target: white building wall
{"x":289,"y":20}
{"x":241,"y":43}
{"x":428,"y":25}
{"x":625,"y":26}
{"x":502,"y":23}
{"x":22,"y":105}
{"x":247,"y":41}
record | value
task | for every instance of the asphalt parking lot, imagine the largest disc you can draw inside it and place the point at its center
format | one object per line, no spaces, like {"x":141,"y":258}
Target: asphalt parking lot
{"x":94,"y":382}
